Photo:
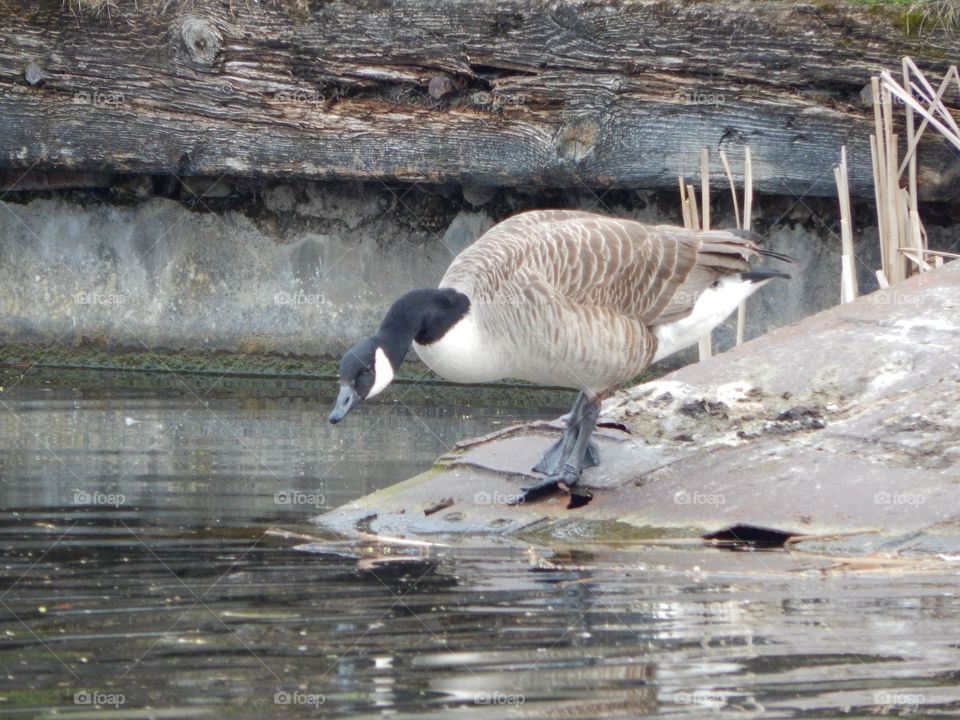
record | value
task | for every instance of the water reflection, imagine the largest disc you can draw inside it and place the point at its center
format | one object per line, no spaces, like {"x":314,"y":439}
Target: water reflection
{"x":177,"y":602}
{"x":189,"y":461}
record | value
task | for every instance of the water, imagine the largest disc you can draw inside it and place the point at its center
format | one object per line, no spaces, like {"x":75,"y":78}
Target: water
{"x":140,"y":577}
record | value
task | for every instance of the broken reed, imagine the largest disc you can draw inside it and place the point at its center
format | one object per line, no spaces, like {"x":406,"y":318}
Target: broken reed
{"x":692,"y":221}
{"x":848,"y":274}
{"x":902,"y":235}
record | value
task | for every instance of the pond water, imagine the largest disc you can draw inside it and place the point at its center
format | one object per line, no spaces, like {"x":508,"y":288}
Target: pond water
{"x":141,"y":577}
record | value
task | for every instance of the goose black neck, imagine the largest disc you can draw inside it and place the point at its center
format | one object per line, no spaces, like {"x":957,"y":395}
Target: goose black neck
{"x":421,"y":315}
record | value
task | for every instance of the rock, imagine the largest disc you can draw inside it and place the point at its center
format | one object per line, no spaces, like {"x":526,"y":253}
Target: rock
{"x":479,"y":195}
{"x":439,"y":86}
{"x":133,"y":187}
{"x":465,"y":228}
{"x":280,"y":198}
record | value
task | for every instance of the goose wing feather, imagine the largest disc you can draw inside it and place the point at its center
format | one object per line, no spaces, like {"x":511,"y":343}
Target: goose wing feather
{"x":652,"y":273}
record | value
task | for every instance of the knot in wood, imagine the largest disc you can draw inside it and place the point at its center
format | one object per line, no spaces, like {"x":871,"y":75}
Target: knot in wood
{"x":34,"y":74}
{"x":577,"y":139}
{"x":201,"y":38}
{"x":566,"y":16}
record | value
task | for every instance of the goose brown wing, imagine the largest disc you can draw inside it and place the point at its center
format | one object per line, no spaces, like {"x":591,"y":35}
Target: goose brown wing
{"x":650,"y":273}
{"x":653,"y":274}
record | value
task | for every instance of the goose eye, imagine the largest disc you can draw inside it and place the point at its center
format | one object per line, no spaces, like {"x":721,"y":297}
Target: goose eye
{"x":363,"y":382}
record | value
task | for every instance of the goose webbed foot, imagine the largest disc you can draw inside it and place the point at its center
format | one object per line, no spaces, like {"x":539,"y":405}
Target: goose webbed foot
{"x":553,"y":458}
{"x":541,"y":488}
{"x":565,"y":480}
{"x":572,"y":454}
{"x":561,"y":451}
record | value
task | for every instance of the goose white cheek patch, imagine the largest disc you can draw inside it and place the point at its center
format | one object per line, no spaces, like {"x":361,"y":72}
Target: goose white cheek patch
{"x":382,"y":373}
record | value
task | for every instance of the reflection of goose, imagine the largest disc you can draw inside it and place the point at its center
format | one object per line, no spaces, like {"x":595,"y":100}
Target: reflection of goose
{"x":562,"y":297}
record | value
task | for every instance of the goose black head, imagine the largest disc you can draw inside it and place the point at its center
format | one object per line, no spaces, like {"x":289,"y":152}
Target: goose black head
{"x":365,"y":371}
{"x":369,"y":366}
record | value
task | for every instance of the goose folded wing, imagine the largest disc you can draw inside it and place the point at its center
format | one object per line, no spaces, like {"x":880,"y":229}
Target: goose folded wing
{"x":652,"y":273}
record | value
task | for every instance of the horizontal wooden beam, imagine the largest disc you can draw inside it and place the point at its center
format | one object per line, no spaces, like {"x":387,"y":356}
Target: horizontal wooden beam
{"x":513,"y":92}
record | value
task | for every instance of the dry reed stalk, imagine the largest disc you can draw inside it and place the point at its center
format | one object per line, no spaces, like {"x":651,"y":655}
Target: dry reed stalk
{"x":747,"y":188}
{"x":940,"y":253}
{"x":691,"y":218}
{"x":901,"y":232}
{"x":705,"y":187}
{"x":747,"y":192}
{"x":895,"y":224}
{"x":877,"y":150}
{"x":733,"y":188}
{"x":685,"y":206}
{"x":928,"y":90}
{"x":706,"y":343}
{"x":911,"y":158}
{"x":948,"y":127}
{"x":934,"y":101}
{"x":898,"y":212}
{"x":747,"y":222}
{"x":694,"y":213}
{"x":848,"y":283}
{"x":916,"y":258}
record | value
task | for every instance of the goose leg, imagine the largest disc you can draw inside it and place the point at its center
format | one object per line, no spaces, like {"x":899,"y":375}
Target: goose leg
{"x":574,"y":464}
{"x":553,"y":459}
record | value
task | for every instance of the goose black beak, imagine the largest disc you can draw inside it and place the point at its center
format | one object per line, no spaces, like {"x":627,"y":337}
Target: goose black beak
{"x":346,"y":401}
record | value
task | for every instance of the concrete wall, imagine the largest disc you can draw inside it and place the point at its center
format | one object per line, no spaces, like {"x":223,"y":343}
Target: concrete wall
{"x":308,"y":268}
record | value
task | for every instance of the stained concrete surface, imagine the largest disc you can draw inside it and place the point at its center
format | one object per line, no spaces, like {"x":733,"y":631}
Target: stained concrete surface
{"x":845,"y":423}
{"x":308,"y":268}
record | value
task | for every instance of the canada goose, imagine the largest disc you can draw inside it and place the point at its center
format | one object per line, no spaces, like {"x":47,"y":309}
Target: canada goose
{"x":567,"y":298}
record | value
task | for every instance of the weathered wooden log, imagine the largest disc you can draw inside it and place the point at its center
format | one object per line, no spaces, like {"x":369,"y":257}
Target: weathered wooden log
{"x":513,"y":92}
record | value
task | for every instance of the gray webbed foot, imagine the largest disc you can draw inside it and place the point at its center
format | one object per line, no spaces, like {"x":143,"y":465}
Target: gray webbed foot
{"x":547,"y":485}
{"x":570,"y":443}
{"x":566,"y":481}
{"x":554,"y":457}
{"x":565,"y":460}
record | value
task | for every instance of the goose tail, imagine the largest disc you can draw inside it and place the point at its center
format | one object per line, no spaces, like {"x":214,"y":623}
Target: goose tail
{"x":755,"y":239}
{"x":761,"y":274}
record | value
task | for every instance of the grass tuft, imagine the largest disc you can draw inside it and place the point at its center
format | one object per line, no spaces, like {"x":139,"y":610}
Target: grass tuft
{"x":925,"y":15}
{"x":297,"y":8}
